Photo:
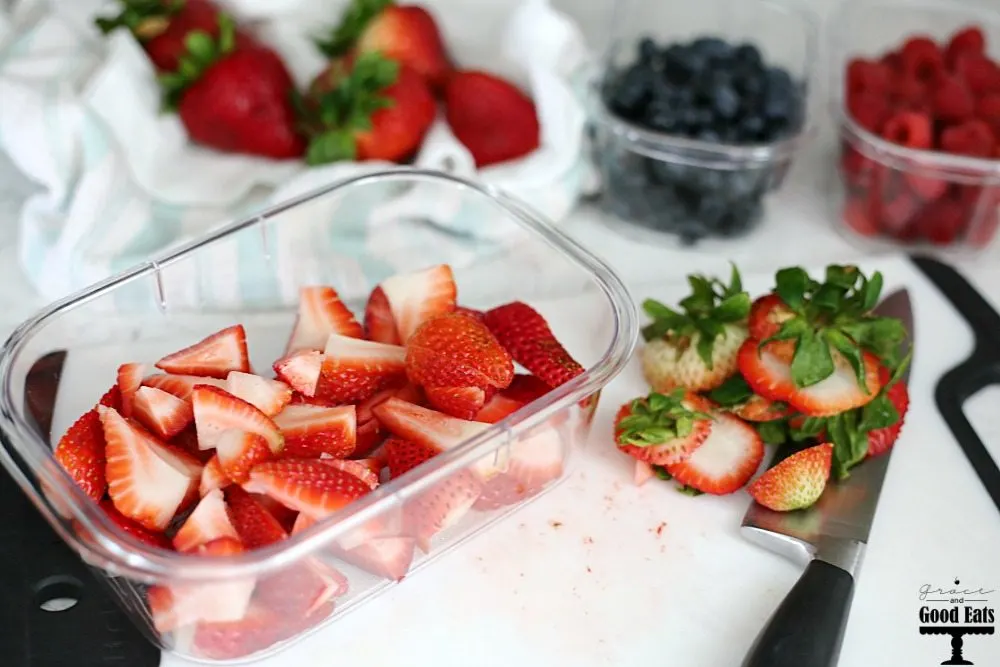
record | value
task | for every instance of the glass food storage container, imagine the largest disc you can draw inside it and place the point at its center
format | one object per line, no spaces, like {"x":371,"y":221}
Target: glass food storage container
{"x":252,"y":604}
{"x":698,"y":111}
{"x":917,"y":112}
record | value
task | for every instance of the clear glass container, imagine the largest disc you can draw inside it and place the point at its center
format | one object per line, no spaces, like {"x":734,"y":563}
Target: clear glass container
{"x":157,"y":307}
{"x":666,"y":185}
{"x":894,"y":195}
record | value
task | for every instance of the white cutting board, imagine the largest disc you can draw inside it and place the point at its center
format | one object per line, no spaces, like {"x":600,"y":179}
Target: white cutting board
{"x":599,"y":572}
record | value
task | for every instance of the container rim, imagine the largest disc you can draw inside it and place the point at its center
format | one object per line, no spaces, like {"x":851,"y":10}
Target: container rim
{"x":696,"y":152}
{"x":101,"y":543}
{"x":971,"y":166}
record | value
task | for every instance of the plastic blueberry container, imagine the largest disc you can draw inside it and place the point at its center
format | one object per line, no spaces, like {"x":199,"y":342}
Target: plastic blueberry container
{"x":663,"y":186}
{"x":149,"y":310}
{"x":894,"y":195}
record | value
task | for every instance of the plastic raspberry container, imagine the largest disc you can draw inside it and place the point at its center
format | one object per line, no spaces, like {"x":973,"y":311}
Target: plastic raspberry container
{"x":161,"y":305}
{"x":923,"y":199}
{"x":670,"y":188}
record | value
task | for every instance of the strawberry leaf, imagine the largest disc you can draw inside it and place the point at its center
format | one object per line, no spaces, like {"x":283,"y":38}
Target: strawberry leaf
{"x":332,"y":146}
{"x":662,"y":473}
{"x":792,"y":284}
{"x":689,"y":490}
{"x":773,"y":432}
{"x":734,"y":391}
{"x":202,"y":52}
{"x":656,"y":419}
{"x":850,"y":351}
{"x":144,"y":18}
{"x":812,"y":362}
{"x":353,"y":22}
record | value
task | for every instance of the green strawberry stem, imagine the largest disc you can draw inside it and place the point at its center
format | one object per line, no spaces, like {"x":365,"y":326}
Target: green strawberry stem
{"x":144,"y":18}
{"x":202,"y":53}
{"x":352,"y":23}
{"x":711,"y":305}
{"x":835,"y":315}
{"x":656,"y":419}
{"x":332,"y":118}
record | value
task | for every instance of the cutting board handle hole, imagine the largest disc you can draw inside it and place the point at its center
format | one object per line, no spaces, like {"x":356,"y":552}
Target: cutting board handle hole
{"x":58,"y":593}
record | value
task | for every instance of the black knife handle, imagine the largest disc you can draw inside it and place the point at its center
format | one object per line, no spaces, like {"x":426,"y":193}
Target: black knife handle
{"x":807,"y":628}
{"x":952,"y":391}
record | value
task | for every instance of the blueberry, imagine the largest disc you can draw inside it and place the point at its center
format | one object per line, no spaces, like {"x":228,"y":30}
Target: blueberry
{"x":725,"y":102}
{"x":682,"y":65}
{"x":630,"y":93}
{"x":712,"y":211}
{"x":666,"y":173}
{"x":691,"y":230}
{"x":741,"y":217}
{"x":748,"y":54}
{"x":662,"y":116}
{"x":751,"y":128}
{"x":648,"y":51}
{"x":779,"y":78}
{"x":709,"y":135}
{"x":750,"y":84}
{"x":712,"y":48}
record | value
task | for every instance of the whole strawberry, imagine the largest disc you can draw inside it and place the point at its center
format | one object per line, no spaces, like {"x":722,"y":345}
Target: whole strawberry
{"x":234,"y":99}
{"x":366,"y":108}
{"x":407,"y":34}
{"x":526,"y":335}
{"x":162,"y":26}
{"x":491,"y":117}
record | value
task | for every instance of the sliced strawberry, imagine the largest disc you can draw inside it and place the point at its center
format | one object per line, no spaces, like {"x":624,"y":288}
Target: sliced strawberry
{"x":726,"y":461}
{"x":311,"y":430}
{"x":766,"y":372}
{"x":162,"y":413}
{"x":881,"y":440}
{"x":433,"y":430}
{"x":354,"y":370}
{"x":216,"y":411}
{"x":214,"y":357}
{"x":529,"y":339}
{"x":232,"y":640}
{"x":311,"y":487}
{"x":535,"y":461}
{"x":759,"y":409}
{"x":419,"y":296}
{"x":305,"y":588}
{"x":359,"y":469}
{"x":254,"y":524}
{"x":370,"y":433}
{"x":663,"y":429}
{"x":470,"y":312}
{"x":405,"y":455}
{"x":129,"y":380}
{"x":375,"y":547}
{"x":284,"y":515}
{"x":498,"y":408}
{"x":212,"y":477}
{"x":81,"y":453}
{"x":268,"y":396}
{"x":379,"y":324}
{"x":441,"y":506}
{"x":643,"y":473}
{"x":462,"y":402}
{"x":767,"y":314}
{"x":148,"y":481}
{"x":206,"y":523}
{"x":795,"y":483}
{"x":321,"y":313}
{"x":239,"y":451}
{"x":180,"y":386}
{"x":133,"y":529}
{"x":301,"y":371}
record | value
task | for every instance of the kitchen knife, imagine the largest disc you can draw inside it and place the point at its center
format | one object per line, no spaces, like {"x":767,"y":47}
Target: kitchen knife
{"x":54,"y":612}
{"x":807,"y":628}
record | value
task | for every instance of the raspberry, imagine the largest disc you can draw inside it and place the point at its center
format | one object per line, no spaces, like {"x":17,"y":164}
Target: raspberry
{"x":988,"y":109}
{"x":869,"y":110}
{"x":922,"y":59}
{"x":967,"y":40}
{"x":893,"y":60}
{"x":897,"y":213}
{"x":941,"y":222}
{"x":910,"y":129}
{"x":973,"y":138}
{"x":867,"y":76}
{"x":907,"y":92}
{"x":927,"y":188}
{"x":951,"y":99}
{"x":858,"y":217}
{"x":980,"y":73}
{"x":982,"y":230}
{"x":858,"y":171}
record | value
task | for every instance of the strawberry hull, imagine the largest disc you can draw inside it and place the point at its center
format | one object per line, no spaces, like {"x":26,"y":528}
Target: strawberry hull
{"x":329,"y":465}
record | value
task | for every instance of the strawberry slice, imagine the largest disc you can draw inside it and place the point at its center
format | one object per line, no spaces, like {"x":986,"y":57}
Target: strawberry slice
{"x":795,"y":483}
{"x":268,"y":396}
{"x":419,"y":296}
{"x":216,"y":411}
{"x":373,"y":549}
{"x":359,"y":469}
{"x":535,"y":461}
{"x":370,"y":433}
{"x":767,"y":314}
{"x":441,"y":506}
{"x":435,"y":431}
{"x":214,"y":357}
{"x":643,"y":473}
{"x":526,"y":335}
{"x":180,"y":605}
{"x":379,"y":323}
{"x":307,"y":486}
{"x":404,"y":455}
{"x":523,"y":390}
{"x":148,"y":481}
{"x":766,"y":369}
{"x":258,"y":629}
{"x":254,"y":524}
{"x":180,"y":386}
{"x":311,"y":430}
{"x":321,"y":313}
{"x":81,"y":453}
{"x":162,"y":413}
{"x":727,"y":459}
{"x":300,"y":371}
{"x":129,"y":380}
{"x":208,"y":522}
{"x":663,"y":428}
{"x":354,"y":370}
{"x":285,"y":516}
{"x":881,"y":440}
{"x":212,"y":477}
{"x":133,"y":529}
{"x":239,"y":451}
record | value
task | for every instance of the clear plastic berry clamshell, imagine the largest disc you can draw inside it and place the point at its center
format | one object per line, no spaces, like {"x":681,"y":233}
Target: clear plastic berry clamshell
{"x":666,"y":187}
{"x":250,"y":272}
{"x":891,"y":195}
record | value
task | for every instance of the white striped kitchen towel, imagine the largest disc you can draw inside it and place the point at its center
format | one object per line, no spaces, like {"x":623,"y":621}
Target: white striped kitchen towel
{"x":79,"y":115}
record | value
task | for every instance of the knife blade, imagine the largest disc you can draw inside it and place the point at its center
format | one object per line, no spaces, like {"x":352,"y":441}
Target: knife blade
{"x":830,"y":537}
{"x":55,"y":612}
